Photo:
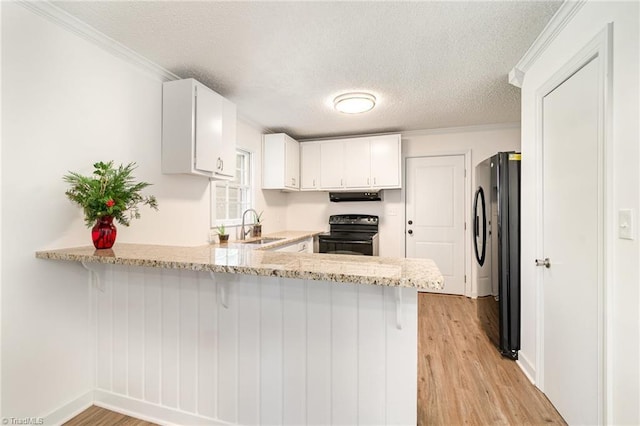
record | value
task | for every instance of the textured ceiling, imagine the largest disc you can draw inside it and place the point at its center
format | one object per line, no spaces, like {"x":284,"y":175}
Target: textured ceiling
{"x":430,"y":64}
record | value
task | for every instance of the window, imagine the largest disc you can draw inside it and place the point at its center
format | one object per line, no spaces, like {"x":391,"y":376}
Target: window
{"x":234,"y":197}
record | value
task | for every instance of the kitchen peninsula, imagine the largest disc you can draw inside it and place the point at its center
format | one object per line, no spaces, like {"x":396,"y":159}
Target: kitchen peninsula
{"x":246,"y":335}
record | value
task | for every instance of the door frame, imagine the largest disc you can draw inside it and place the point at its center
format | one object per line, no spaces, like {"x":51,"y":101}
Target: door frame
{"x":469,"y":279}
{"x":600,"y":46}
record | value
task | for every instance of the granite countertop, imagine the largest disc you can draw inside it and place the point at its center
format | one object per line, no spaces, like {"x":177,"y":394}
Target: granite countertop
{"x":239,"y":258}
{"x":274,"y":240}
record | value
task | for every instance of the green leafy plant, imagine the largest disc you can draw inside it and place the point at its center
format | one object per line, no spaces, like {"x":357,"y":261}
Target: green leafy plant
{"x":258,"y":218}
{"x":109,"y":191}
{"x":221,"y":230}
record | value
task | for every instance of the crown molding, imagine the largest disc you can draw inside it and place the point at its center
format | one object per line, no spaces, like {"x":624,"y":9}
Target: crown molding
{"x":462,"y":129}
{"x":557,"y":23}
{"x":71,"y":23}
{"x":424,"y":132}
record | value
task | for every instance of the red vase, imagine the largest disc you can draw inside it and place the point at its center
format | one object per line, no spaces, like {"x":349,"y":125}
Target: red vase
{"x":104,"y":233}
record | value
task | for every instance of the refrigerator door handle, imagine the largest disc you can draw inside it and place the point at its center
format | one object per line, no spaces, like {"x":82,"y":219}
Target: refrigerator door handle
{"x":480,"y":254}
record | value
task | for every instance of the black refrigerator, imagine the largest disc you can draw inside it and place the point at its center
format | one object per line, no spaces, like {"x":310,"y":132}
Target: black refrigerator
{"x":497,"y":249}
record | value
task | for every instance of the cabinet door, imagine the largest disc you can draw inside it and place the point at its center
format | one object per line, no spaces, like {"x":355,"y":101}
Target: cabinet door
{"x":207,"y":133}
{"x":305,"y":246}
{"x":292,"y":163}
{"x":226,"y":158}
{"x":358,"y":163}
{"x":309,"y":166}
{"x":385,"y":161}
{"x":331,"y":164}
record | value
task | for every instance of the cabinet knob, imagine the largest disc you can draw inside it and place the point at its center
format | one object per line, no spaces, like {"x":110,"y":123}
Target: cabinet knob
{"x":410,"y":232}
{"x":410,"y":222}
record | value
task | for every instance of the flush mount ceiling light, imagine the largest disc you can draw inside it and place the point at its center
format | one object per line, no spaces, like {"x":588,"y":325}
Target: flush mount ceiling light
{"x":354,"y":103}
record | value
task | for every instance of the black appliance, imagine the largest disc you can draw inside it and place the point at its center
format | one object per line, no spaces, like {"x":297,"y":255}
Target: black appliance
{"x":497,"y":249}
{"x":355,"y":234}
{"x":338,"y":197}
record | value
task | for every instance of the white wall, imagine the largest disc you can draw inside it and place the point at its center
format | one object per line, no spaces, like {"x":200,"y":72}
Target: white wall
{"x":623,"y":321}
{"x":311,"y":210}
{"x":67,"y":104}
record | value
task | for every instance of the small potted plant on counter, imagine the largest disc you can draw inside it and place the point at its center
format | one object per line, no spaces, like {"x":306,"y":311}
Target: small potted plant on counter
{"x":111,"y":193}
{"x":222,"y":234}
{"x":257,"y":227}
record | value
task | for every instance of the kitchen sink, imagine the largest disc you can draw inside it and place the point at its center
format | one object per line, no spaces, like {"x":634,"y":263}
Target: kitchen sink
{"x":264,"y":240}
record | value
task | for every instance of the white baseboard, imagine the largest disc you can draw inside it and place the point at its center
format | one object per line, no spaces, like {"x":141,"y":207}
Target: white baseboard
{"x":527,"y":367}
{"x":150,"y":412}
{"x":70,"y":409}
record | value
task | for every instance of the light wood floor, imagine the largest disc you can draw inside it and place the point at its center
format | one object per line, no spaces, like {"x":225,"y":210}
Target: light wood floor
{"x":96,"y":416}
{"x":462,"y":379}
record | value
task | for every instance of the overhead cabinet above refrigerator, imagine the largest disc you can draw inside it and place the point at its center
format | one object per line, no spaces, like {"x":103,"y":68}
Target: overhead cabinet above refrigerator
{"x":198,"y":131}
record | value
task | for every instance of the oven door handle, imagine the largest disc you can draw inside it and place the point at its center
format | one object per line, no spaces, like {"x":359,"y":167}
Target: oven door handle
{"x":345,"y":241}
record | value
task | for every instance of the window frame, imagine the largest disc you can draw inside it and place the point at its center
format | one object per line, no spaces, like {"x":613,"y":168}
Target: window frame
{"x":248,"y":188}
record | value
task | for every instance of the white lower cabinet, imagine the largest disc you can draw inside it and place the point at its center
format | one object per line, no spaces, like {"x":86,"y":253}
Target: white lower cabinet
{"x":304,"y":246}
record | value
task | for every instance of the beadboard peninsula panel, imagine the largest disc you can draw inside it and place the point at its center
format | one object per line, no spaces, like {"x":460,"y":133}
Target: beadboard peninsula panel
{"x":257,"y":350}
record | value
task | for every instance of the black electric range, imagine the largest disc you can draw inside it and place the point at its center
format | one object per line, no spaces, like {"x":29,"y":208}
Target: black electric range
{"x":355,"y":234}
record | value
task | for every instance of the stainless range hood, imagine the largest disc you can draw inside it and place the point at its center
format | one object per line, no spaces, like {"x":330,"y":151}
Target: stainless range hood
{"x":338,"y":197}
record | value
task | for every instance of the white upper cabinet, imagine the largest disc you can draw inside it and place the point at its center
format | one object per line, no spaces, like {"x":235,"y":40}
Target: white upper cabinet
{"x":357,"y":169}
{"x":227,"y":152}
{"x":386,"y":159}
{"x":356,"y":163}
{"x":332,"y":160}
{"x":280,"y":162}
{"x":309,"y":166}
{"x":198,"y":130}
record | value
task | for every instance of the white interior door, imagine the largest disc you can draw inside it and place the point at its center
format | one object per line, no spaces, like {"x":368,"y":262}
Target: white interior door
{"x":572,"y":212}
{"x":435,"y":216}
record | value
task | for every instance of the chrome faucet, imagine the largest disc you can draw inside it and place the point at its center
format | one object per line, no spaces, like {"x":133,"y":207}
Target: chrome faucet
{"x":243,"y":234}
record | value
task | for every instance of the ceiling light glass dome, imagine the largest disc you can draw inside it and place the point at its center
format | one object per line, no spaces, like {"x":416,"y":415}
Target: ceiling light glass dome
{"x":354,"y":103}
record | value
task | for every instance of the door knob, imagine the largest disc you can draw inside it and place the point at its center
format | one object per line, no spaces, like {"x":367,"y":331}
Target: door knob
{"x":410,"y":231}
{"x":543,"y":262}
